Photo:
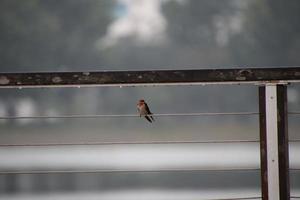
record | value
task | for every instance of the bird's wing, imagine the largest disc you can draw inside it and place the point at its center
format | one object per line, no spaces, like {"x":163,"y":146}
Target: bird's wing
{"x":147,"y":109}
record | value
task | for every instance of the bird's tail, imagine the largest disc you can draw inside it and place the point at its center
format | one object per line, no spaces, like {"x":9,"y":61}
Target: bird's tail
{"x":148,"y":118}
{"x":151,"y":116}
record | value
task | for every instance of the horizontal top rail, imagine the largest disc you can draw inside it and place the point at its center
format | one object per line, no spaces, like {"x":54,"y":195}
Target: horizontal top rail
{"x":151,"y":77}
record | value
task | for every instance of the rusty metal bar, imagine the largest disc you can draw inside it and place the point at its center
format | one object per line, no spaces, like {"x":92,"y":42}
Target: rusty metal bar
{"x":150,"y":77}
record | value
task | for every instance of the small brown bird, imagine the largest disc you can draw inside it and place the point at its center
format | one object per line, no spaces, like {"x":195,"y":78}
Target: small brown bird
{"x":144,"y":110}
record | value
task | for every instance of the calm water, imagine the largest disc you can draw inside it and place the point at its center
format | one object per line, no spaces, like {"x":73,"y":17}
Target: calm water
{"x":138,"y":185}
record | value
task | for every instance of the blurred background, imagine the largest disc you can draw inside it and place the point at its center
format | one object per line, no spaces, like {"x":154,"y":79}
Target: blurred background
{"x":91,"y":35}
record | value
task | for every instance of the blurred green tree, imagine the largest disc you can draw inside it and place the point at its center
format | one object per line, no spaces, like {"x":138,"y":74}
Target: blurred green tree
{"x":46,"y":35}
{"x":193,"y":23}
{"x":270,"y":35}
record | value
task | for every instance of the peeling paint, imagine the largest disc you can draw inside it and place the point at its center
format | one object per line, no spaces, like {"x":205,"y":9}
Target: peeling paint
{"x":4,"y":80}
{"x":240,"y":78}
{"x":56,"y":79}
{"x":221,"y":75}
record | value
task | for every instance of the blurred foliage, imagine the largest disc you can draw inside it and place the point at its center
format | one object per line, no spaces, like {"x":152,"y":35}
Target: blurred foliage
{"x":270,"y":34}
{"x":48,"y":35}
{"x":193,"y":23}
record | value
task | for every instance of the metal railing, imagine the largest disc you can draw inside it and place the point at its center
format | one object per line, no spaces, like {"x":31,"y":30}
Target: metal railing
{"x":272,"y":83}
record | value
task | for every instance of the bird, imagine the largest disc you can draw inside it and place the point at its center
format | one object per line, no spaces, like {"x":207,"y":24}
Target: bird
{"x":144,"y":110}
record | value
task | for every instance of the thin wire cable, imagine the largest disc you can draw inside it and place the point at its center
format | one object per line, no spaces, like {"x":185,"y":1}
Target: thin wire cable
{"x":94,"y":171}
{"x":127,"y":115}
{"x":131,"y":143}
{"x":294,"y":113}
{"x":80,"y":116}
{"x":128,"y":143}
{"x":236,"y":198}
{"x":124,"y":171}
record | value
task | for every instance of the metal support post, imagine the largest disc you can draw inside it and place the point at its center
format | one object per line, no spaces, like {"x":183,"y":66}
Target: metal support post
{"x":274,"y":142}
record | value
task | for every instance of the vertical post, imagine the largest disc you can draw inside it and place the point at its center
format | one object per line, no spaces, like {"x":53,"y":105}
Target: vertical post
{"x":283,"y":142}
{"x":263,"y":142}
{"x":274,"y":142}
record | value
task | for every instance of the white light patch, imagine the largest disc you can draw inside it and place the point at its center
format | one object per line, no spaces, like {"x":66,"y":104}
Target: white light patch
{"x":3,"y":112}
{"x":141,"y":20}
{"x":25,"y":107}
{"x":293,"y":95}
{"x":272,"y":142}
